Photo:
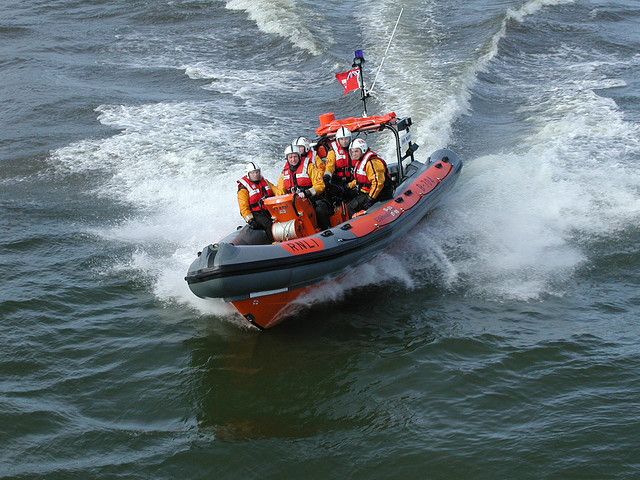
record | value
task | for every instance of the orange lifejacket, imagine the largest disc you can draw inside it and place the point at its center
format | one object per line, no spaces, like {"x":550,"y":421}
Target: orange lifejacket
{"x":300,"y":177}
{"x":344,"y":165}
{"x":360,"y":172}
{"x":257,"y":192}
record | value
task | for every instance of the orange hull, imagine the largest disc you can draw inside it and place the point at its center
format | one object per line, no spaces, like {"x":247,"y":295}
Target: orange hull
{"x":269,"y":310}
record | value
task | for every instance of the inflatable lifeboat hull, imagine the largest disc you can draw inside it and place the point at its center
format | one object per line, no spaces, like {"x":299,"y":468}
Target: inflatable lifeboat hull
{"x":264,"y":281}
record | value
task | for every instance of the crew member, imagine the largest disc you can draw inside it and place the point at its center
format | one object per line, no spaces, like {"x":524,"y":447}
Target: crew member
{"x":371,"y":177}
{"x":339,"y":164}
{"x":303,"y":178}
{"x":253,"y":188}
{"x":321,"y":148}
{"x":306,"y":151}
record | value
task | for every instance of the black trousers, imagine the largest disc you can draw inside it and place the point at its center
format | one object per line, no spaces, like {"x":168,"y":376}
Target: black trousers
{"x":323,"y":212}
{"x":263,"y":218}
{"x":357,"y":203}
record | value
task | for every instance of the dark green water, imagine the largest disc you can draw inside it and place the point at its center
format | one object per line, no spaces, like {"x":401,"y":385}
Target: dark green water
{"x":499,"y":341}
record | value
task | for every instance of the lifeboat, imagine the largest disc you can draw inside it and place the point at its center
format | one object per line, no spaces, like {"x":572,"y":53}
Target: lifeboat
{"x":263,"y":281}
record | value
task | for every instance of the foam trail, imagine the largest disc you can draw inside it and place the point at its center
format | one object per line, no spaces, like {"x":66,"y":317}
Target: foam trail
{"x":458,"y":104}
{"x":279,"y":17}
{"x":441,"y":92}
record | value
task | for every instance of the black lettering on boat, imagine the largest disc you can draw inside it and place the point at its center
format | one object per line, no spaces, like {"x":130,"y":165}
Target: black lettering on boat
{"x":304,"y":244}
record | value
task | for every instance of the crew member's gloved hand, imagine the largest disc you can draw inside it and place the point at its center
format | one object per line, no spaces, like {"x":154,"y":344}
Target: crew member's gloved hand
{"x":253,"y":224}
{"x":327,"y":179}
{"x":302,"y":194}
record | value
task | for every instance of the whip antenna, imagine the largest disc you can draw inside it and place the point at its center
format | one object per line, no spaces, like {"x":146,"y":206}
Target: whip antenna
{"x":385,"y":52}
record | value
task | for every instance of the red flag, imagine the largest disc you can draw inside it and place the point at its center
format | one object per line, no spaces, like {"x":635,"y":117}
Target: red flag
{"x":350,"y":80}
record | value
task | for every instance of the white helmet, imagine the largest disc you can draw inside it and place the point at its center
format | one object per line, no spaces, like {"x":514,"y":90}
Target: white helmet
{"x":359,"y":143}
{"x":343,"y":132}
{"x":252,"y":167}
{"x":291,"y":149}
{"x":303,"y":142}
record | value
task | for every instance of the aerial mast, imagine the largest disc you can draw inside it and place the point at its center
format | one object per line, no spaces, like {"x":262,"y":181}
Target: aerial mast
{"x":358,"y":62}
